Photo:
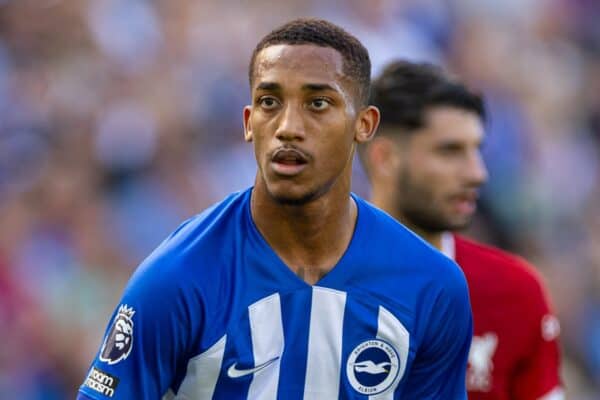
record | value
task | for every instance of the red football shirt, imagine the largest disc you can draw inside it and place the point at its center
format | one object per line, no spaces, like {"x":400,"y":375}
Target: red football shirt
{"x":514,"y":354}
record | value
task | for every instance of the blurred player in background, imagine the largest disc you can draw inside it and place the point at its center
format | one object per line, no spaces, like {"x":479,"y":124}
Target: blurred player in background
{"x":425,"y":168}
{"x":293,"y":288}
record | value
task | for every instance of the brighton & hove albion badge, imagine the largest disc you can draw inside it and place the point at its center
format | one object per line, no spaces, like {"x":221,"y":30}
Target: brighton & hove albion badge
{"x":372,"y":367}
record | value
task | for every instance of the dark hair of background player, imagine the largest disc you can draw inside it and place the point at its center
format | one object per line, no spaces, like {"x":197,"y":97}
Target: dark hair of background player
{"x":406,"y":91}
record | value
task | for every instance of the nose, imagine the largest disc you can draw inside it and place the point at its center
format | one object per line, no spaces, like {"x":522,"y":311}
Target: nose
{"x":291,"y":123}
{"x":477,"y":172}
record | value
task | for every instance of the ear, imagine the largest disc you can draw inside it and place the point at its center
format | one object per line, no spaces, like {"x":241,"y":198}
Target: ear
{"x":366,"y":124}
{"x":247,"y":125}
{"x":383,"y":156}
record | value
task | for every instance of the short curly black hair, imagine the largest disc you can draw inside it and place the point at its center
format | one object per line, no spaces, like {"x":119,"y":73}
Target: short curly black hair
{"x":405,"y":91}
{"x":357,"y":64}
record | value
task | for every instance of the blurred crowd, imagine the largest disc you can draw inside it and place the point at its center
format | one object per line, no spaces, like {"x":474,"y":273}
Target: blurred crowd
{"x":121,"y":118}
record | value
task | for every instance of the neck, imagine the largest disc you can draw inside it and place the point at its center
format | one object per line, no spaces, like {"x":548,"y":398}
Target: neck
{"x":382,"y":200}
{"x":310,"y":238}
{"x":433,"y":238}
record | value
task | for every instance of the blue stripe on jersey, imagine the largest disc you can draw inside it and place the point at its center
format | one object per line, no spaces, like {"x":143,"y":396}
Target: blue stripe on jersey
{"x":360,"y":322}
{"x":237,"y":351}
{"x":296,"y":307}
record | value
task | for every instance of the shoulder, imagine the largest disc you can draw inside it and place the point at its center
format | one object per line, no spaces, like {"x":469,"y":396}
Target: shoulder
{"x":405,"y":250}
{"x":500,"y":264}
{"x":215,"y":219}
{"x":185,"y":258}
{"x":218,"y":223}
{"x":385,"y":232}
{"x":495,"y":274}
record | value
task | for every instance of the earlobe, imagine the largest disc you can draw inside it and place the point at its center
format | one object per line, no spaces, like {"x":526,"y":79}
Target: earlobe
{"x":247,"y":125}
{"x":367,"y":122}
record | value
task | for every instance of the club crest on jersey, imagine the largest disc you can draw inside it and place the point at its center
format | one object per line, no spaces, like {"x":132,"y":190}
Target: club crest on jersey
{"x":119,"y":340}
{"x":372,"y":367}
{"x":481,"y":365}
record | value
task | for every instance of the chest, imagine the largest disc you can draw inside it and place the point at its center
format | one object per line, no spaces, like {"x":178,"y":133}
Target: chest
{"x":314,"y":342}
{"x":501,"y":340}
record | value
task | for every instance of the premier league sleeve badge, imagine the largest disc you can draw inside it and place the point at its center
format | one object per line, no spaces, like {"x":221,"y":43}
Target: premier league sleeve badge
{"x":119,"y":340}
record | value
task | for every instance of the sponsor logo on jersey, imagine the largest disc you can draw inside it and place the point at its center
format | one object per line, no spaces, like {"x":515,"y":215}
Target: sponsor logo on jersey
{"x":372,"y":367}
{"x":119,"y":340}
{"x":101,"y":382}
{"x":479,"y":372}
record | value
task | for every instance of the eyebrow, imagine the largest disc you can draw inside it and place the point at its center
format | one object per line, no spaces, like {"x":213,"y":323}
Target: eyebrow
{"x":269,"y":86}
{"x":318,"y":87}
{"x":309,"y":87}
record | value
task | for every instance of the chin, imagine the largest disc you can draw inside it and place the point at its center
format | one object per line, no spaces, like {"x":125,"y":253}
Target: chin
{"x":460,"y":224}
{"x":293,"y":197}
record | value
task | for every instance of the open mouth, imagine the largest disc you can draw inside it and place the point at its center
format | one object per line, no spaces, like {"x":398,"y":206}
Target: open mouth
{"x":288,"y":161}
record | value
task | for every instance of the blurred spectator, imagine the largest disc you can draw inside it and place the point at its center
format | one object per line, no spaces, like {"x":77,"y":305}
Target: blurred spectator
{"x":120,"y":119}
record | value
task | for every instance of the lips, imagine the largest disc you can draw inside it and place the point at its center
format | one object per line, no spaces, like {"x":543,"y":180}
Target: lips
{"x":471,"y":196}
{"x":289,"y":161}
{"x":289,"y":156}
{"x":466,"y":203}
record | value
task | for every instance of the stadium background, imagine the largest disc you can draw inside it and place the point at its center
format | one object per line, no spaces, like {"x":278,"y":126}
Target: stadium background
{"x":119,"y":119}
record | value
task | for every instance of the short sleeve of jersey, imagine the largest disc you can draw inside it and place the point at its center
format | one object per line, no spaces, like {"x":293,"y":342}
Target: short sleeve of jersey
{"x":440,"y":365}
{"x":147,"y":337}
{"x":538,"y":374}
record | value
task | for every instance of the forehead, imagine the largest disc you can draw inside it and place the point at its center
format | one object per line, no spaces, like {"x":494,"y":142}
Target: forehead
{"x":453,"y":123}
{"x":305,"y":63}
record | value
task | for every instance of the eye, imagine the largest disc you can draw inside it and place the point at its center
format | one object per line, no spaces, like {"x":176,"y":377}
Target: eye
{"x":450,"y":149}
{"x":268,"y":102}
{"x":319,"y":104}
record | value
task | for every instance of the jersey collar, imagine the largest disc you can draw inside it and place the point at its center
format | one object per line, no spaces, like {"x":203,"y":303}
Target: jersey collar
{"x":448,"y":245}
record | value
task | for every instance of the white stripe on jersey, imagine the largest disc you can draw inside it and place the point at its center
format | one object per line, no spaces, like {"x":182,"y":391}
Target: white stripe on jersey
{"x":391,"y":330}
{"x":202,"y":373}
{"x":324,"y":358}
{"x":266,"y":330}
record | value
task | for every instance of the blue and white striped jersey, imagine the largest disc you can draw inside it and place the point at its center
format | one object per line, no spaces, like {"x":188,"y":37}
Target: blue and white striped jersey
{"x":213,"y":313}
